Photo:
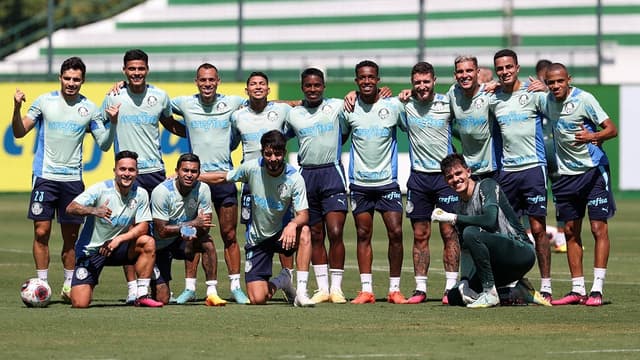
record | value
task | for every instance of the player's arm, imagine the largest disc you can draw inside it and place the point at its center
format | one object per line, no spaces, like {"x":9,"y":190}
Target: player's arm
{"x":202,"y":223}
{"x":103,"y":211}
{"x":214,"y":177}
{"x":20,"y":125}
{"x":292,"y":229}
{"x":609,"y":131}
{"x":134,"y":232}
{"x":175,"y":127}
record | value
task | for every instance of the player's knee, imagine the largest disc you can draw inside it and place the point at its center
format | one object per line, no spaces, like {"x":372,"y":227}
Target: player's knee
{"x":147,"y":243}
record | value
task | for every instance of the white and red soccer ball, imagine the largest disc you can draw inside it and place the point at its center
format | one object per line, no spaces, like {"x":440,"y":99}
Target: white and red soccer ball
{"x":35,"y":293}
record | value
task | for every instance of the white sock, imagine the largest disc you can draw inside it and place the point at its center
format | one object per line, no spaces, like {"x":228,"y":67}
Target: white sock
{"x":577,"y":285}
{"x":143,"y":286}
{"x":68,"y":275}
{"x":421,"y":283}
{"x":211,"y":287}
{"x":560,"y":239}
{"x":43,"y":275}
{"x":322,"y":277}
{"x":132,"y":287}
{"x":598,"y":279}
{"x":301,"y":282}
{"x":451,"y":279}
{"x":394,"y":284}
{"x":545,"y":285}
{"x":234,"y":281}
{"x":190,"y":283}
{"x":336,"y":279}
{"x":366,"y":281}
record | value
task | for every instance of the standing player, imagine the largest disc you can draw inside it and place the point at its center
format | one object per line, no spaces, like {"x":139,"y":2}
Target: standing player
{"x":207,"y":119}
{"x":427,"y":120}
{"x":181,"y":209}
{"x":248,"y":125}
{"x":373,"y":179}
{"x":61,"y":118}
{"x":114,"y":233}
{"x":523,"y":175}
{"x":316,"y":124}
{"x":142,"y":108}
{"x":472,"y":122}
{"x":495,"y":248}
{"x":277,"y":189}
{"x":584,"y":178}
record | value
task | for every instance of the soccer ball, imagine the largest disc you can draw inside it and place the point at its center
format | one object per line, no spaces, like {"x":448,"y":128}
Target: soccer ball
{"x":35,"y":293}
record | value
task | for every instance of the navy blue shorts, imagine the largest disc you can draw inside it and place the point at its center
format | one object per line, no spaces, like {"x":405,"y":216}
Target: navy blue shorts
{"x":326,"y":191}
{"x":425,"y":192}
{"x":259,"y":258}
{"x":225,"y":194}
{"x":89,"y":267}
{"x":526,"y":190}
{"x":175,"y":250}
{"x":381,"y":198}
{"x":49,"y":197}
{"x":151,"y":180}
{"x":245,"y":205}
{"x":591,"y":190}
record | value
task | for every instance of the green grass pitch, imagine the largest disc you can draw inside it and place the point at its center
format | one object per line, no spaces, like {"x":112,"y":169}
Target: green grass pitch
{"x":110,"y":330}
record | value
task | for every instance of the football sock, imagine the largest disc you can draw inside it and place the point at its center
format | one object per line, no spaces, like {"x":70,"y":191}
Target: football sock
{"x":451,"y":279}
{"x":366,"y":281}
{"x":394,"y":284}
{"x":132,"y":287}
{"x":234,"y":281}
{"x":43,"y":275}
{"x":322,"y":276}
{"x":421,"y":283}
{"x":545,"y":285}
{"x":68,"y":275}
{"x":143,"y":286}
{"x":301,"y":282}
{"x":598,"y":279}
{"x":211,"y":287}
{"x":560,"y":239}
{"x":577,"y":285}
{"x":190,"y":284}
{"x":336,"y":279}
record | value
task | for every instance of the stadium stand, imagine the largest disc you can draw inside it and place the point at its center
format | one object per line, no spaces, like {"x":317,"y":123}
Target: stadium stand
{"x":284,"y":36}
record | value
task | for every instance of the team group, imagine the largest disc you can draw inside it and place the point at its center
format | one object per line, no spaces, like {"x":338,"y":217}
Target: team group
{"x":142,"y":220}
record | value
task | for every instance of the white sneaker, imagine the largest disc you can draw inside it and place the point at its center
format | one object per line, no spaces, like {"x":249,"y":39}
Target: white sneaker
{"x":302,"y":300}
{"x":485,"y":300}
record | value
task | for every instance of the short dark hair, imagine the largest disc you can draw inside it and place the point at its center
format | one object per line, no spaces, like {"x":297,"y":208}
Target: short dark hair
{"x":206,"y":66}
{"x":423,"y":67}
{"x":312,"y":72}
{"x":258,"y":73}
{"x":190,"y":157}
{"x":557,"y":66}
{"x":273,"y":139}
{"x":136,"y":54}
{"x":506,"y":52}
{"x":452,"y":160}
{"x":367,"y":63}
{"x":542,"y":65}
{"x":126,"y":154}
{"x":73,"y":63}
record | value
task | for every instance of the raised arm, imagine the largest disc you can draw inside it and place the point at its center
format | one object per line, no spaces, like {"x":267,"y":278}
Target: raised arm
{"x":20,"y":125}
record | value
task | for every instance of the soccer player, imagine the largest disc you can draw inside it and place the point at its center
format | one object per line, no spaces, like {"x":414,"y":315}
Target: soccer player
{"x":495,"y":248}
{"x":522,"y":177}
{"x":559,"y":242}
{"x":584,"y":178}
{"x":181,"y":209}
{"x":427,"y":119}
{"x":277,"y":189}
{"x":472,"y":122}
{"x":142,"y":108}
{"x":61,"y":118}
{"x":373,"y":179}
{"x":207,"y":119}
{"x":316,"y":125}
{"x":114,"y":233}
{"x":247,"y":127}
